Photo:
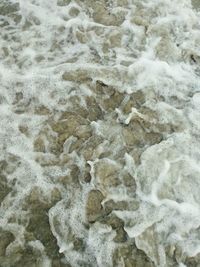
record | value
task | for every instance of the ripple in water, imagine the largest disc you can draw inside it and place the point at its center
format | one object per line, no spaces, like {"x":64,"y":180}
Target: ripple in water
{"x":99,"y":130}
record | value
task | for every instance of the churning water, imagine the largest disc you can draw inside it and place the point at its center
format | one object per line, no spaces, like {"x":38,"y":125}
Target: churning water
{"x":99,"y":133}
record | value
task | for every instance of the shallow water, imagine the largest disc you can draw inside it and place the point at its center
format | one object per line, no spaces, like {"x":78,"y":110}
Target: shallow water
{"x":196,"y":4}
{"x":99,"y":130}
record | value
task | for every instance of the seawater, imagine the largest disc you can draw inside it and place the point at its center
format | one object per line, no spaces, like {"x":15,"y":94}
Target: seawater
{"x":99,"y":133}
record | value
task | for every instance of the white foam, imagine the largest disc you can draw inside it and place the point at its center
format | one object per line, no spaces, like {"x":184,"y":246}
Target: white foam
{"x":156,"y":54}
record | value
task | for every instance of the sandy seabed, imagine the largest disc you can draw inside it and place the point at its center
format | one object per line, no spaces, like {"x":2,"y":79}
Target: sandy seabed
{"x":99,"y":133}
